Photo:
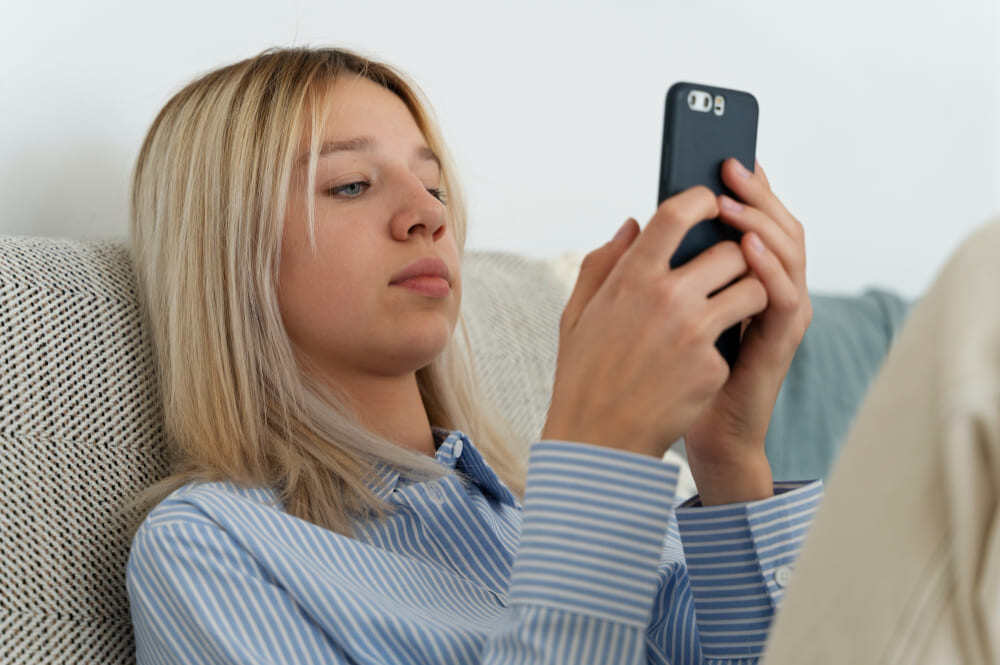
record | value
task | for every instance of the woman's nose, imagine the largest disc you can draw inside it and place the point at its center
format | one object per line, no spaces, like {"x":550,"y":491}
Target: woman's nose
{"x":420,"y":212}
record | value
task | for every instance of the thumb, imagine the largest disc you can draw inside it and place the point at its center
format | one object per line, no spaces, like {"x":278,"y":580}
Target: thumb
{"x":595,"y":269}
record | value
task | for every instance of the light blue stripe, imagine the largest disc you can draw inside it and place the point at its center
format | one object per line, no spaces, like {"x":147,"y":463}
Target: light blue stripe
{"x":737,"y":616}
{"x":707,"y":583}
{"x":622,"y":493}
{"x":593,"y":514}
{"x":532,"y":551}
{"x":703,"y":537}
{"x":545,"y":526}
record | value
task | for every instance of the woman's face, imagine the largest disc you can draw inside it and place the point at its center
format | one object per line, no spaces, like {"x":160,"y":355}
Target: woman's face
{"x":375,"y":216}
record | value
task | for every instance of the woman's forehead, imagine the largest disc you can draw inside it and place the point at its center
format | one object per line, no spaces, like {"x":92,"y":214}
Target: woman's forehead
{"x":354,"y":106}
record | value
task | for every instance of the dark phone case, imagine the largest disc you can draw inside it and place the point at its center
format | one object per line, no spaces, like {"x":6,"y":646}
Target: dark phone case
{"x":695,"y":144}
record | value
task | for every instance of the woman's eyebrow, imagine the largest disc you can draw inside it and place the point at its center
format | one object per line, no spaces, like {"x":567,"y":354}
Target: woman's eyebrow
{"x":364,"y":143}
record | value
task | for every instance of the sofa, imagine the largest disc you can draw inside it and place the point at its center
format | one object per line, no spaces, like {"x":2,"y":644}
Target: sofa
{"x":81,"y":424}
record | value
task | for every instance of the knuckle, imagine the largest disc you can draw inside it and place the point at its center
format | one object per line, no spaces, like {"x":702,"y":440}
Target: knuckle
{"x":669,"y":209}
{"x":591,"y":260}
{"x":758,"y":293}
{"x":789,"y":303}
{"x":797,"y":264}
{"x":733,"y":252}
{"x":627,"y":276}
{"x":798,"y":231}
{"x":725,"y":247}
{"x":670,"y":291}
{"x":701,"y":331}
{"x":703,"y":194}
{"x":684,"y":331}
{"x":807,"y":315}
{"x":705,"y":198}
{"x":732,"y":246}
{"x":564,"y":322}
{"x":716,"y":370}
{"x":726,"y":254}
{"x":674,"y":206}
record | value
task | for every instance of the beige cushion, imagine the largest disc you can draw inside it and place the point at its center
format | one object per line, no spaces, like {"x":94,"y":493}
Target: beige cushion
{"x":81,"y":430}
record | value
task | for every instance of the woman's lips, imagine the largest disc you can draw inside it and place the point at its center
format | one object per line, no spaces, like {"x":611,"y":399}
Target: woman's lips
{"x":435,"y":287}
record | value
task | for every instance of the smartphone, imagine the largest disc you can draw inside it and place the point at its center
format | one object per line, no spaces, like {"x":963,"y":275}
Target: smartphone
{"x":704,"y":125}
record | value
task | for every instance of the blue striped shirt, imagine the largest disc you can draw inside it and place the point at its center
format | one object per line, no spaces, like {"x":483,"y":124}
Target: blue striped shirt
{"x":600,"y":565}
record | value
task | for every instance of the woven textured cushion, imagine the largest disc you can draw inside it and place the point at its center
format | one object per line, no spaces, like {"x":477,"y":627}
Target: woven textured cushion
{"x":80,"y":432}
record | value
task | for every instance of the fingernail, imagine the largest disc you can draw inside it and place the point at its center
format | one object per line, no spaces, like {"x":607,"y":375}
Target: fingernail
{"x":756,"y":244}
{"x":742,"y":170}
{"x":622,"y":231}
{"x":730,"y":204}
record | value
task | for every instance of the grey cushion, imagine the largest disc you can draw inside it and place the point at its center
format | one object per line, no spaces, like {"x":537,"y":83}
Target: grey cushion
{"x":839,"y":356}
{"x":81,"y":423}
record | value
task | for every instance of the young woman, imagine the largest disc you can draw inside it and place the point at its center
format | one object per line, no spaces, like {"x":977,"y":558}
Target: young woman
{"x":343,"y":494}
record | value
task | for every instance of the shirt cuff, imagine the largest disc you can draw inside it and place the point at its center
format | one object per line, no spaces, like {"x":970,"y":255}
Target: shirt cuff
{"x":592,"y":530}
{"x":739,"y":559}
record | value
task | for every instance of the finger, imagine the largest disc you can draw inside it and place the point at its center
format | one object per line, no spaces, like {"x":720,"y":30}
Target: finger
{"x":749,"y":219}
{"x":759,"y":170}
{"x":713,"y":269}
{"x":673,"y":218}
{"x":744,"y":299}
{"x":754,"y":190}
{"x":595,"y":269}
{"x":783,"y":295}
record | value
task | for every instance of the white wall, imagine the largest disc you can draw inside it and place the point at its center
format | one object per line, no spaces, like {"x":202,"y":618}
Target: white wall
{"x":878,"y":122}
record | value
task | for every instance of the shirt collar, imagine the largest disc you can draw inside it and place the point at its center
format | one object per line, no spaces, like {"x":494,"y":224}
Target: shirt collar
{"x":468,"y":460}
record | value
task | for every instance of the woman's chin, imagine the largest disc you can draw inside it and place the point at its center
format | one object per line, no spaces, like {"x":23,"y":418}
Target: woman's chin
{"x":421,"y":350}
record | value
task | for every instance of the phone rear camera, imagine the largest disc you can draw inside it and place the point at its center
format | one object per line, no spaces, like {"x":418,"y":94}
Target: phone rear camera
{"x":699,"y":100}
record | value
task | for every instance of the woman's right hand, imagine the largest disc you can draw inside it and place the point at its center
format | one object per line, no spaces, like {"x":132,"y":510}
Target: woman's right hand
{"x":637,"y":361}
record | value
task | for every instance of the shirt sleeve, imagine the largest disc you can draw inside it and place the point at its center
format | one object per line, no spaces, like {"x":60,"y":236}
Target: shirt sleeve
{"x":196,"y":597}
{"x":738,"y":559}
{"x":585,"y":574}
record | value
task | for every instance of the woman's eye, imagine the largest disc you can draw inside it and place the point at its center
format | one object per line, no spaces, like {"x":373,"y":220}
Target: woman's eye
{"x":352,"y":191}
{"x":349,"y":189}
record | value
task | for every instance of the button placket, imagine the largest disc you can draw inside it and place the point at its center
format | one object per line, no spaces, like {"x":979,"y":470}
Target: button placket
{"x":436,"y":493}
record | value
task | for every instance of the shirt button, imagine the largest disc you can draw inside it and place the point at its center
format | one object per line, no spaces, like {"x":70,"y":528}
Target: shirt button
{"x":782,"y":575}
{"x":437,"y":494}
{"x":457,"y":450}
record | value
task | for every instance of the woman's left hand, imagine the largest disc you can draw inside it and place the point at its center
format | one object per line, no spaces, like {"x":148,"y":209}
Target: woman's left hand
{"x":725,"y":445}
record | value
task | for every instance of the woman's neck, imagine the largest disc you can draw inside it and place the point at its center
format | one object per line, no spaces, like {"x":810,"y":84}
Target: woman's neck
{"x":392,"y":407}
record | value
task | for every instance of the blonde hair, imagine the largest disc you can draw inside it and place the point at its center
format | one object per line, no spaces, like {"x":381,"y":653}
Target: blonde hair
{"x":209,"y":191}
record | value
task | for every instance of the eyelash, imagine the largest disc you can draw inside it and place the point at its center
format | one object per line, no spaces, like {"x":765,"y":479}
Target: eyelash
{"x":439,"y":194}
